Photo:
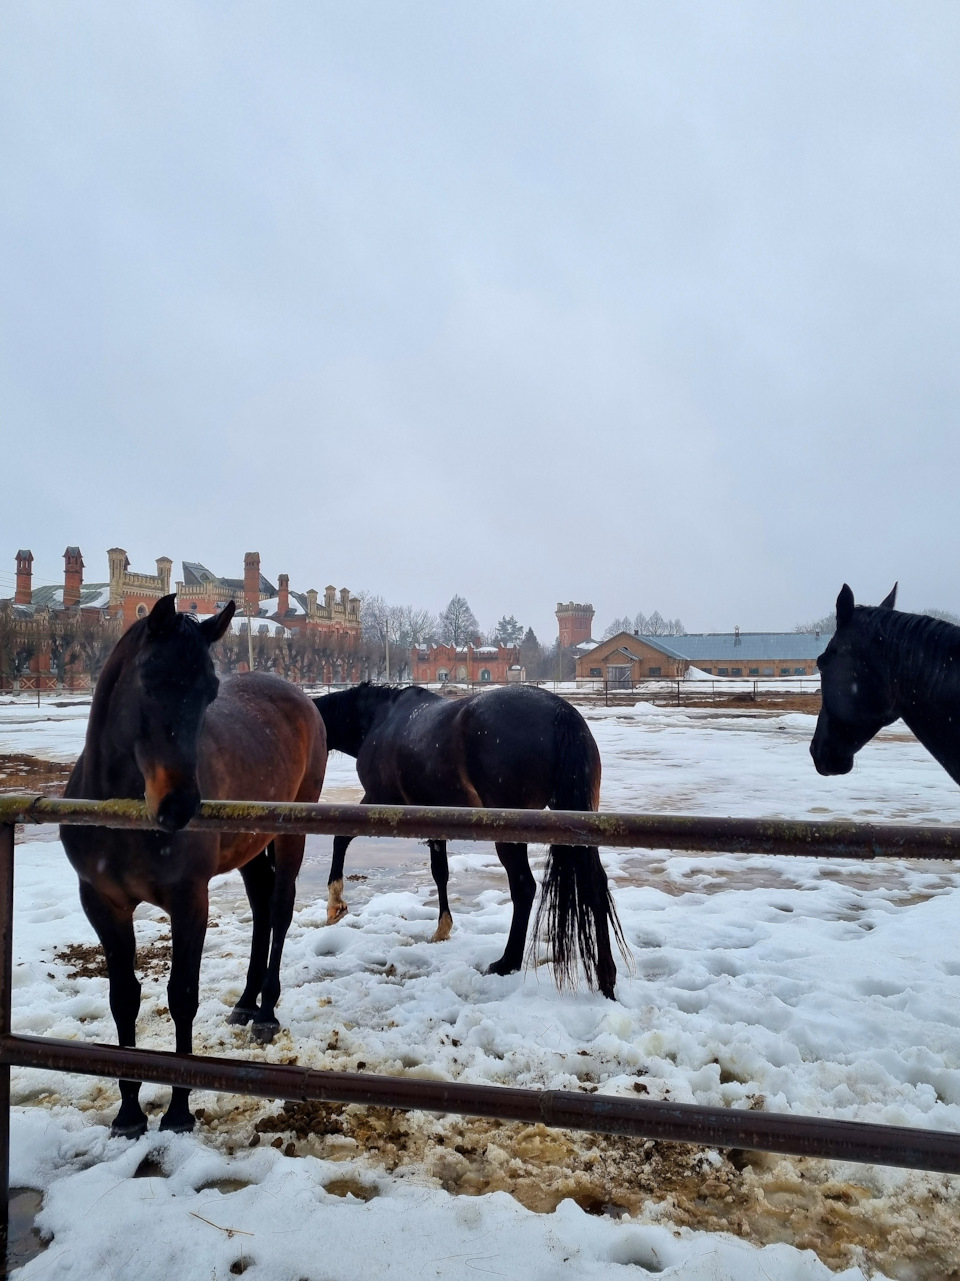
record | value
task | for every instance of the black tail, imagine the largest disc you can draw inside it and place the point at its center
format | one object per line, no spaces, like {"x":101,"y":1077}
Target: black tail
{"x":576,"y":911}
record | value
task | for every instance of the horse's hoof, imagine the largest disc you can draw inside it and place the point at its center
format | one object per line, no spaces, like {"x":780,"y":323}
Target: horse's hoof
{"x":128,"y":1129}
{"x":444,"y":927}
{"x":241,"y":1015}
{"x":178,"y":1123}
{"x":501,"y":967}
{"x":336,"y":913}
{"x":263,"y":1033}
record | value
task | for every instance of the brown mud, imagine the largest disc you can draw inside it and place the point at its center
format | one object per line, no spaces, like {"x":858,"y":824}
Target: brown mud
{"x":910,"y":1235}
{"x":20,"y":773}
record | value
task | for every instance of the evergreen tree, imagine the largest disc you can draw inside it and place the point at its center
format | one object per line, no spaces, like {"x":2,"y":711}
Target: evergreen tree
{"x":509,"y":631}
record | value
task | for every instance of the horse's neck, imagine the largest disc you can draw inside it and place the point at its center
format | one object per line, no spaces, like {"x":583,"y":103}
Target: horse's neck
{"x":109,"y":766}
{"x":928,"y":697}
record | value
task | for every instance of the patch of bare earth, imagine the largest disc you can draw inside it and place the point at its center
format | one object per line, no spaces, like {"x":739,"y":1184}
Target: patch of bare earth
{"x":20,"y":773}
{"x":87,"y":960}
{"x":910,"y":1235}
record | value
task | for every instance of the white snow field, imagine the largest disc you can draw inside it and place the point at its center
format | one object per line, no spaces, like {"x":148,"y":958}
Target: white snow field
{"x":793,"y":985}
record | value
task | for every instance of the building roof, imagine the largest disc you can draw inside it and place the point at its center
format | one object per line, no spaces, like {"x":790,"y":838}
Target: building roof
{"x":195,"y":575}
{"x":736,"y":646}
{"x":92,"y":596}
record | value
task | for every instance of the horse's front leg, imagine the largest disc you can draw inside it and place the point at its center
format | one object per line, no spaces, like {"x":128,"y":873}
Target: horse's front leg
{"x":114,"y":928}
{"x":258,"y":879}
{"x":336,"y":907}
{"x":441,"y":874}
{"x":523,"y":890}
{"x":289,"y":854}
{"x":188,"y":928}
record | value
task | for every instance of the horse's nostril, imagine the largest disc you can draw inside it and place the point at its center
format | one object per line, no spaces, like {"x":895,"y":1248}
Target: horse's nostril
{"x":177,"y":809}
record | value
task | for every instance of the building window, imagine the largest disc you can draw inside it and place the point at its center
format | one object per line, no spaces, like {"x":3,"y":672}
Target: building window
{"x":784,"y":671}
{"x":753,"y":671}
{"x":708,"y":670}
{"x":193,"y":607}
{"x":736,"y":671}
{"x":723,"y":671}
{"x":655,"y":671}
{"x":485,"y":673}
{"x":142,"y":611}
{"x":799,"y":671}
{"x":596,"y":671}
{"x":768,"y":671}
{"x":443,"y":674}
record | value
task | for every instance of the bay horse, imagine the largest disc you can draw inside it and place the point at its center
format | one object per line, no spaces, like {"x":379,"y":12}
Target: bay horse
{"x":163,"y":728}
{"x":882,"y":664}
{"x":518,"y":747}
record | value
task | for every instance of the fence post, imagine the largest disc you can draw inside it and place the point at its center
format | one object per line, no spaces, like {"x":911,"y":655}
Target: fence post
{"x":6,"y":976}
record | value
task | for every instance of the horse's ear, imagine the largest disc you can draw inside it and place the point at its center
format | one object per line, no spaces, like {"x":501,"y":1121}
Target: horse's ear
{"x":162,"y":619}
{"x":890,"y":601}
{"x":213,"y":628}
{"x":844,"y":605}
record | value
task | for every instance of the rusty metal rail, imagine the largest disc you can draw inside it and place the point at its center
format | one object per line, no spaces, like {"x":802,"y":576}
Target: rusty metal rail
{"x":639,"y":1118}
{"x":796,"y":837}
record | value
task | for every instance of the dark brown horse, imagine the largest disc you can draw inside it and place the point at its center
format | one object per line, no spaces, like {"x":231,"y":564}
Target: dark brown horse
{"x":519,"y":747}
{"x":159,"y":729}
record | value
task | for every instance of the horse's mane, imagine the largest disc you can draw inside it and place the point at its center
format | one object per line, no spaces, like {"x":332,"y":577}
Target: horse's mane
{"x":386,"y":693}
{"x":927,"y":650}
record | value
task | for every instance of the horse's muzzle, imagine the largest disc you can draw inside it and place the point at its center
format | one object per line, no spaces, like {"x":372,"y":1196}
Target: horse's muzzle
{"x":828,"y":761}
{"x":177,"y":809}
{"x":171,"y":799}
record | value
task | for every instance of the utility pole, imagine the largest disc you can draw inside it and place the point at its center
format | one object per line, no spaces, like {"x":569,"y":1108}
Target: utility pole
{"x":250,"y":635}
{"x":386,"y":648}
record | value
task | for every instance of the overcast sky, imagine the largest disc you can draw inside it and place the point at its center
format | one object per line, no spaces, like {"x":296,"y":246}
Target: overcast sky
{"x":651,"y":305}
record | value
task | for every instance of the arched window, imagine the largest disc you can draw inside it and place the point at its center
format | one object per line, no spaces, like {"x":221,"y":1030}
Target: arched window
{"x":142,"y":611}
{"x":443,"y":674}
{"x":485,"y":673}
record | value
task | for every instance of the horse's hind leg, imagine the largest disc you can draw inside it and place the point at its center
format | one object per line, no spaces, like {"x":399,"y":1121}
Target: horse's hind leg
{"x":289,"y":855}
{"x":188,"y":927}
{"x":115,"y":931}
{"x":336,"y":907}
{"x":523,"y":890}
{"x":258,"y":879}
{"x":441,"y":874}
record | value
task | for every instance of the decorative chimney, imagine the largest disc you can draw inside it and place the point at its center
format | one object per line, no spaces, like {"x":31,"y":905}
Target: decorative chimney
{"x":312,"y":602}
{"x":24,"y":594}
{"x":736,"y":635}
{"x":283,"y":595}
{"x":344,"y":598}
{"x":117,"y":560}
{"x":329,"y":596}
{"x":164,"y":567}
{"x":251,"y":583}
{"x":72,"y":577}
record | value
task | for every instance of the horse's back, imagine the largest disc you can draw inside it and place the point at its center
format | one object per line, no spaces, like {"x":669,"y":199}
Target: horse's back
{"x":263,"y":739}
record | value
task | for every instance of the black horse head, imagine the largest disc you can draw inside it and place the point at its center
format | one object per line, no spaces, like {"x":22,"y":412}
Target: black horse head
{"x":166,"y":692}
{"x":858,"y":693}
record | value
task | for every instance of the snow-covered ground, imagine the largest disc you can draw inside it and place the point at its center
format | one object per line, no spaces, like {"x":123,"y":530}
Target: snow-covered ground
{"x":804,"y":986}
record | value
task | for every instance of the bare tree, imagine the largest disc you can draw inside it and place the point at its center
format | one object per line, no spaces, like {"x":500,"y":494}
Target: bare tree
{"x":458,"y":623}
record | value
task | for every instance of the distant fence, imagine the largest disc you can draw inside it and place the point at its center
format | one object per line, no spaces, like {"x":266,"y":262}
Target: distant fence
{"x":599,"y":1113}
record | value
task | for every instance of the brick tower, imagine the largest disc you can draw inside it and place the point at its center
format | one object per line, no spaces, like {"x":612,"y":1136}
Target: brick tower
{"x":575,"y":622}
{"x":72,"y":577}
{"x":24,"y":594}
{"x":251,"y":584}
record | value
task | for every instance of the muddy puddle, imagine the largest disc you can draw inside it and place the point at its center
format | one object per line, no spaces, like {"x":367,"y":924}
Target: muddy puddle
{"x":909,"y":1234}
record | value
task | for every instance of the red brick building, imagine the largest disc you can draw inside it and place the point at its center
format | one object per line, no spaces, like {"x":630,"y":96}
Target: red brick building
{"x":575,"y":622}
{"x":481,"y":663}
{"x":337,"y":619}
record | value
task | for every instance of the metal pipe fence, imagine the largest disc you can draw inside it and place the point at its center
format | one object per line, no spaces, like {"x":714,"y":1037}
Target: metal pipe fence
{"x":639,"y":1118}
